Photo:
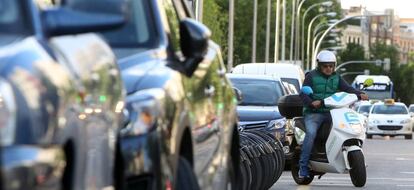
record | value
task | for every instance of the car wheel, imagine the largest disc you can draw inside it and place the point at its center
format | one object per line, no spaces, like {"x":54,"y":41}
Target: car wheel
{"x":369,"y":136}
{"x":409,"y":136}
{"x":186,"y":178}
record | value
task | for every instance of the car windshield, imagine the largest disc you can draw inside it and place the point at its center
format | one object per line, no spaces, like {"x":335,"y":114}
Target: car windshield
{"x":257,"y":92}
{"x":137,"y":35}
{"x":389,"y":109}
{"x":378,"y":95}
{"x":293,"y":81}
{"x":411,"y":109}
{"x":14,"y":22}
{"x":364,"y":109}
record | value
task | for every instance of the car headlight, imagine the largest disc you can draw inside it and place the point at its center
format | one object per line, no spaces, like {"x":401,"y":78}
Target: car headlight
{"x":375,"y":121}
{"x":144,"y":109}
{"x":276,"y":124}
{"x":7,"y":113}
{"x":405,"y":121}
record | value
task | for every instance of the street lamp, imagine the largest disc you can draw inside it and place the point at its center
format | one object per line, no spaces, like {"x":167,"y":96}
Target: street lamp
{"x":318,"y":45}
{"x":330,"y":14}
{"x":315,"y":39}
{"x":325,"y":4}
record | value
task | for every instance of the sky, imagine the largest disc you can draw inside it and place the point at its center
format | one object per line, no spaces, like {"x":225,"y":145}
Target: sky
{"x":403,"y":8}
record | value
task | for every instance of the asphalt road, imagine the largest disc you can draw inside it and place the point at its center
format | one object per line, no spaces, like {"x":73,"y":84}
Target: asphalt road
{"x":390,"y":167}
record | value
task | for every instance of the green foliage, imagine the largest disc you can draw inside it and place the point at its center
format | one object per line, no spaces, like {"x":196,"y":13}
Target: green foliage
{"x":352,"y":52}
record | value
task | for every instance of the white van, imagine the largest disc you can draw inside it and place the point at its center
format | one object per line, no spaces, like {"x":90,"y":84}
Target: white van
{"x":287,"y":72}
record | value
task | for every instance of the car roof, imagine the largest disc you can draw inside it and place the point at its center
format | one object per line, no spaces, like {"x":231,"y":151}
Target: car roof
{"x":251,"y":76}
{"x":287,"y":70}
{"x":376,"y":78}
{"x":396,"y":103}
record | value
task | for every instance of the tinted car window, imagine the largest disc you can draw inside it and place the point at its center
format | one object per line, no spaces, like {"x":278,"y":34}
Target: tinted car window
{"x":258,"y":92}
{"x":391,"y":109}
{"x":293,"y":81}
{"x":14,"y":21}
{"x":364,"y":109}
{"x":139,"y":32}
{"x":411,"y":109}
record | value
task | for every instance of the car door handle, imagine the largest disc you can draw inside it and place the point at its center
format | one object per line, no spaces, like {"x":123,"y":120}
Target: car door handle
{"x":209,"y":90}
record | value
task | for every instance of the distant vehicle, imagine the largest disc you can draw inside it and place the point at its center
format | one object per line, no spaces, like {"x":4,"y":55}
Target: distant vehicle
{"x":389,"y":118}
{"x":287,"y":72}
{"x":411,"y":109}
{"x":181,"y":132}
{"x":258,"y":108}
{"x":61,"y":97}
{"x":363,"y":110}
{"x":382,"y":89}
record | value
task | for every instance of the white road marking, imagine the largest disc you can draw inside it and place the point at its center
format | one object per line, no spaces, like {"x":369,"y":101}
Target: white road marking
{"x":407,"y":172}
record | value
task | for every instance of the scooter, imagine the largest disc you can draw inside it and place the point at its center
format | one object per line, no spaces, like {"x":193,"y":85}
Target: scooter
{"x":338,"y":144}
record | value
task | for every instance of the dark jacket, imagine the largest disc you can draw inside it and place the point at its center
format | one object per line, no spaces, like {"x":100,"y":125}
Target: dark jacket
{"x":323,"y":86}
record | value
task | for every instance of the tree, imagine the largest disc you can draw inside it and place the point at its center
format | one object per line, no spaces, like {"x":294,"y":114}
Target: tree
{"x":352,"y":52}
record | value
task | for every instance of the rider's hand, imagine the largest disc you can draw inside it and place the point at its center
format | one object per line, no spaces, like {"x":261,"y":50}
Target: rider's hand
{"x":364,"y":97}
{"x":317,"y":104}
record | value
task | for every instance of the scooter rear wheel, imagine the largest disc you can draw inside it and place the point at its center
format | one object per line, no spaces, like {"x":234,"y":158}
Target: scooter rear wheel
{"x":358,"y":171}
{"x":295,"y":171}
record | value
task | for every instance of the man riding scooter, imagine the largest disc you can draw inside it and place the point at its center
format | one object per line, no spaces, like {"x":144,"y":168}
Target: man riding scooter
{"x":324,"y":82}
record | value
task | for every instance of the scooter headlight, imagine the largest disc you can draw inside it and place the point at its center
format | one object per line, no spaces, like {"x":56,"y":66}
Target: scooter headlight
{"x":7,"y":113}
{"x":357,"y":128}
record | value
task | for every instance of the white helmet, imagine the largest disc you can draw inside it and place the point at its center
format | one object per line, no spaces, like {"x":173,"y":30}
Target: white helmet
{"x":326,"y":56}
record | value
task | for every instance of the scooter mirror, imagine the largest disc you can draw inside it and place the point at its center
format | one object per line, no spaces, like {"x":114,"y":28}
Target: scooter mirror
{"x":368,"y":82}
{"x":307,"y":90}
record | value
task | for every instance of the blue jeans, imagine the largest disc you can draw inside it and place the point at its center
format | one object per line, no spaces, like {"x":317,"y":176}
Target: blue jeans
{"x":312,"y":123}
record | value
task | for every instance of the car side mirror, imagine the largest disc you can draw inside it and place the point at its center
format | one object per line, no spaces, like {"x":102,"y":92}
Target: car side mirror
{"x":238,"y":94}
{"x":74,"y":17}
{"x":194,"y":43}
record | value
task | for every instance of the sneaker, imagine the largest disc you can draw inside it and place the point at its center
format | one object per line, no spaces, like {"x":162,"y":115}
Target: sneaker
{"x":303,"y":174}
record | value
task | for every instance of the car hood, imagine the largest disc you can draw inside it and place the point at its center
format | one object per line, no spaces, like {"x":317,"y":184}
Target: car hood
{"x":258,"y":113}
{"x":388,"y":116}
{"x":136,"y":67}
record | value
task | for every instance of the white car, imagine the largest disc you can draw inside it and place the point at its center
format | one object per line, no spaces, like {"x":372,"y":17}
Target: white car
{"x":363,"y":109}
{"x":389,"y":118}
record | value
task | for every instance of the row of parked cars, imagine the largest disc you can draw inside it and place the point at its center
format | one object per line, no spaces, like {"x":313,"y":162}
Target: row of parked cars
{"x":143,"y":102}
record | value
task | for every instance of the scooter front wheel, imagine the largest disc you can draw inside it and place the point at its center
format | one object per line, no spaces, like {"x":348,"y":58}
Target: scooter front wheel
{"x":358,"y":171}
{"x":295,"y":171}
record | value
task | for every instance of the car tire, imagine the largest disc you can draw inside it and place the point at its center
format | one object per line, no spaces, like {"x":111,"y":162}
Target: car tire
{"x":369,"y":136}
{"x":409,"y":137}
{"x":186,"y":179}
{"x":358,"y":171}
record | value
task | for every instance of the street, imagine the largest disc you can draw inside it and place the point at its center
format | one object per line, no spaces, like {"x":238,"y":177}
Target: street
{"x":390,"y":166}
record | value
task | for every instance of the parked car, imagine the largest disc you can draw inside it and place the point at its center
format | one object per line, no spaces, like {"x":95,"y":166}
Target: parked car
{"x":182,"y":125}
{"x":257,"y":109}
{"x":287,"y":72}
{"x":389,"y":118}
{"x":61,"y":97}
